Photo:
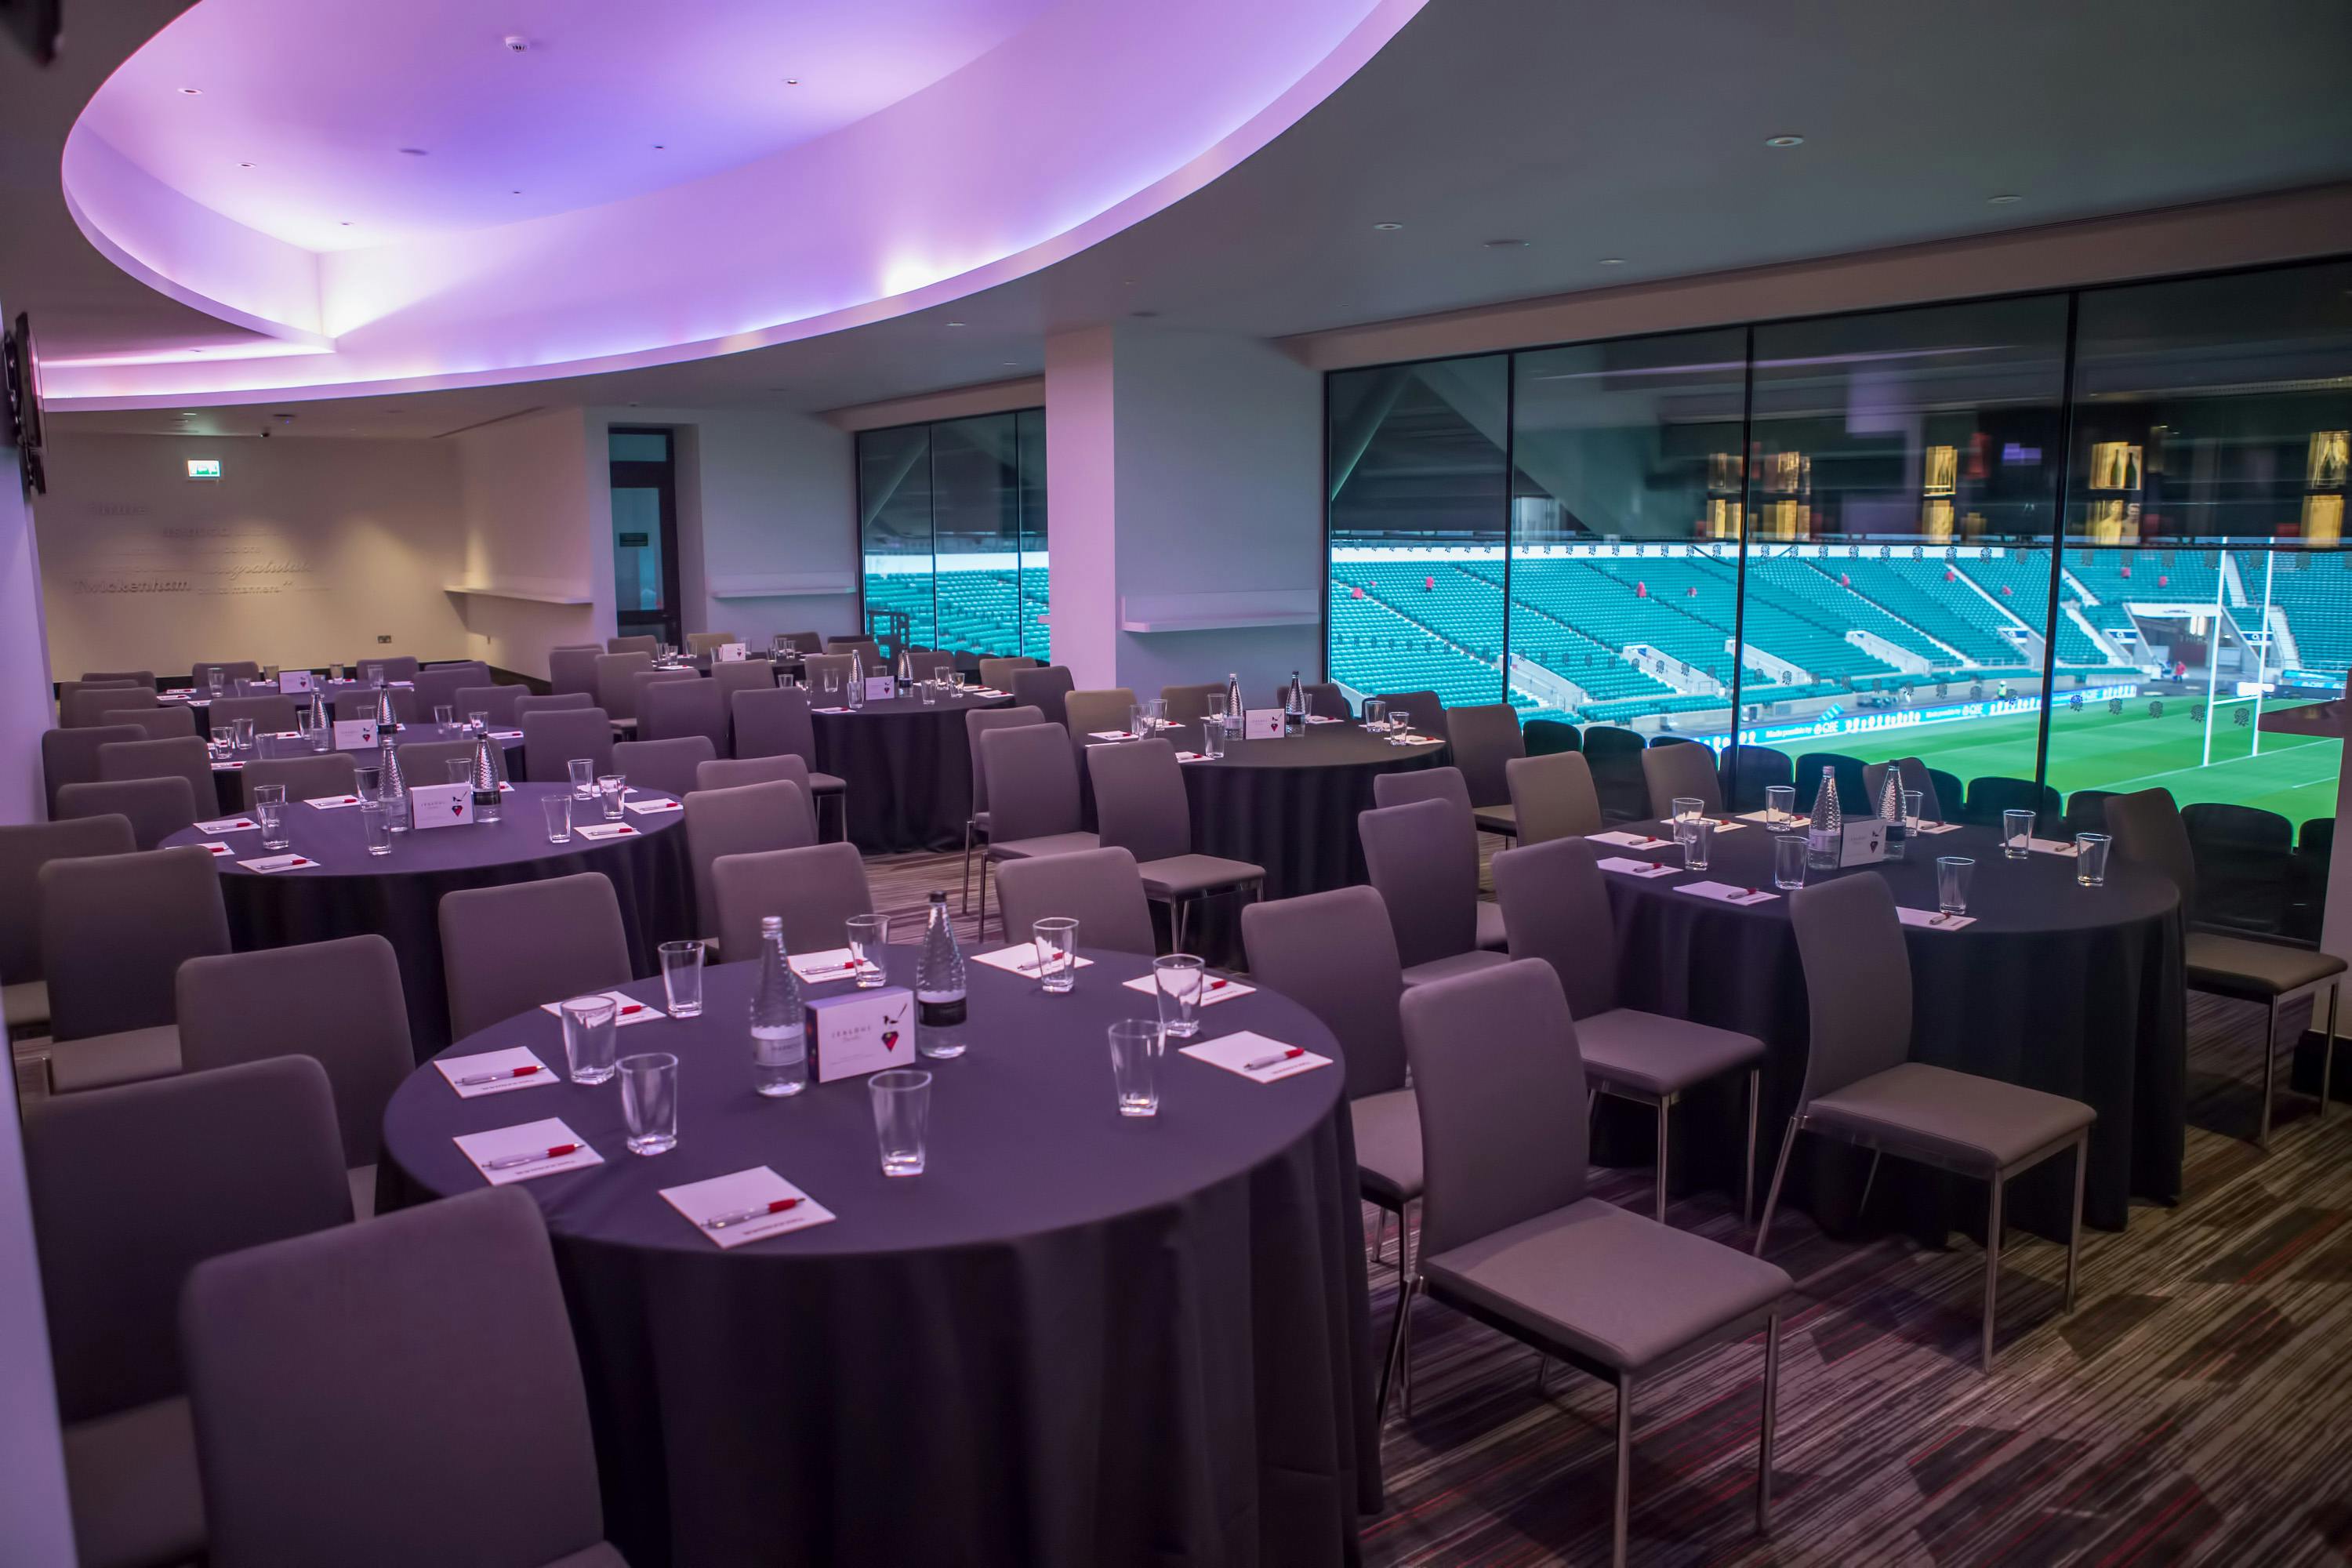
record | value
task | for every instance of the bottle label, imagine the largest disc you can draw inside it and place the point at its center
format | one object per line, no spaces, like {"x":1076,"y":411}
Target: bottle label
{"x":938,"y":1012}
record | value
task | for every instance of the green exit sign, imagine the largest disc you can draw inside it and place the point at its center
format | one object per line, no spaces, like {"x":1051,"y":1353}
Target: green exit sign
{"x":203,"y":467}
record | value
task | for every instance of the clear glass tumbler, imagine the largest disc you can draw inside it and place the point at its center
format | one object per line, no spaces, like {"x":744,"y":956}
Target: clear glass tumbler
{"x":591,"y":1026}
{"x":1213,"y":738}
{"x":1780,"y":807}
{"x":1914,"y":802}
{"x":223,"y":741}
{"x":2091,"y":858}
{"x":1953,"y":874}
{"x":1179,"y":979}
{"x":268,"y":795}
{"x":902,"y":1119}
{"x":1216,"y":719}
{"x":1687,"y":808}
{"x":1697,"y":836}
{"x":1057,"y":939}
{"x":649,"y":1101}
{"x":1789,"y":861}
{"x":445,"y":715}
{"x":212,"y":678}
{"x":2016,"y":833}
{"x":1135,"y":1046}
{"x":613,"y":787}
{"x":479,"y":723}
{"x":1399,"y":725}
{"x":374,"y":826}
{"x":243,"y":728}
{"x":461,"y":770}
{"x":682,"y":973}
{"x":272,"y":816}
{"x":865,"y":935}
{"x":1376,"y":714}
{"x":583,"y":778}
{"x":559,"y":819}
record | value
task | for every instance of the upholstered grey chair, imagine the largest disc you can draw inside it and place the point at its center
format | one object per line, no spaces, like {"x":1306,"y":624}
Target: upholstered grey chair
{"x":1426,"y":710}
{"x":802,"y":642}
{"x":551,"y":702}
{"x":572,"y":671}
{"x":665,"y":765}
{"x":270,"y":715}
{"x":232,"y":671}
{"x":320,"y":774}
{"x":1190,"y":704}
{"x":24,"y":848}
{"x":396,"y":667}
{"x":1511,"y":1237}
{"x":867,"y":649}
{"x":156,"y":808}
{"x":776,"y":723}
{"x":1046,"y":689}
{"x":445,"y":684}
{"x":645,"y":681}
{"x":699,"y":643}
{"x":616,"y":682}
{"x":181,"y":758}
{"x":1486,"y":740}
{"x":732,"y":773}
{"x":741,"y":821}
{"x":1104,"y":711}
{"x":1423,"y":860}
{"x":1556,"y":909}
{"x":70,"y":756}
{"x":1032,"y":793}
{"x":1334,"y":954}
{"x":1681,"y":771}
{"x":145,"y":678}
{"x":1445,"y":784}
{"x":1099,"y":888}
{"x":359,"y":702}
{"x":649,"y":646}
{"x":2148,"y":828}
{"x":130,"y":1188}
{"x":1861,"y":1085}
{"x":111,"y":1005}
{"x":1553,"y":797}
{"x":428,"y":761}
{"x":729,"y":676}
{"x":500,"y":702}
{"x":163,"y":723}
{"x":1140,"y":806}
{"x":977,"y":722}
{"x":1324,"y":698}
{"x":552,"y":738}
{"x":337,"y":1003}
{"x":449,"y":1342}
{"x":813,"y":888}
{"x":818,"y":668}
{"x":668,"y":710}
{"x":85,"y":705}
{"x":509,"y":949}
{"x":997,"y":673}
{"x":1914,"y":774}
{"x":929,"y":664}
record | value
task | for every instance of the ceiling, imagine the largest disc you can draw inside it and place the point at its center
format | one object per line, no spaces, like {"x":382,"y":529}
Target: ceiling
{"x":1588,"y":131}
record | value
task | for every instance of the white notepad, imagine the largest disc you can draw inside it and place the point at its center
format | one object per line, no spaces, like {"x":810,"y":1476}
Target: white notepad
{"x":1630,"y":840}
{"x":745,"y":1192}
{"x":2064,"y":847}
{"x":270,"y":863}
{"x":227,"y":824}
{"x":652,"y":806}
{"x":632,"y":1011}
{"x":528,"y":1145}
{"x":1020,"y":959}
{"x":498,"y":1068}
{"x":1215,"y":988}
{"x":1644,"y":870}
{"x":596,"y":830}
{"x":823,"y":967}
{"x":330,"y":802}
{"x":1238,"y":1053}
{"x":1724,"y":893}
{"x":1931,"y":919}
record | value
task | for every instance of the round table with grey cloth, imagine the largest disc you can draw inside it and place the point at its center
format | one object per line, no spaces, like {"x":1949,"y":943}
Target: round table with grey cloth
{"x":230,"y":781}
{"x":398,"y":896}
{"x":906,"y":766}
{"x":1077,"y":1339}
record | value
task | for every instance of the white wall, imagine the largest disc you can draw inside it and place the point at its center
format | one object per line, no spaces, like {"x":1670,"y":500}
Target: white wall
{"x":305,"y":551}
{"x":536,"y":509}
{"x":1082,"y":504}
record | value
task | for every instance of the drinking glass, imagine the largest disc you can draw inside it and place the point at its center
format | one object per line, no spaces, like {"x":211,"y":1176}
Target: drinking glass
{"x":867,"y":933}
{"x":224,"y":740}
{"x":334,"y":672}
{"x":212,"y":678}
{"x":374,"y":826}
{"x":1685,"y":817}
{"x":1697,"y":836}
{"x":902,"y":1118}
{"x":832,"y":689}
{"x":590,"y":1024}
{"x":243,"y":728}
{"x":1178,"y":978}
{"x":1399,"y":725}
{"x":367,"y":784}
{"x":1134,"y":1066}
{"x":2091,"y":859}
{"x":461,"y":770}
{"x":1780,"y":807}
{"x":1913,"y":800}
{"x":268,"y":675}
{"x":1953,"y":874}
{"x":1789,"y":861}
{"x":1135,"y":719}
{"x":479,"y":723}
{"x":268,"y":795}
{"x":613,"y":787}
{"x":1056,"y":938}
{"x":1212,"y":737}
{"x":2016,"y":833}
{"x":583,"y":778}
{"x":372,"y":674}
{"x":272,"y":816}
{"x":1155,"y":715}
{"x":559,"y":819}
{"x":649,"y":1101}
{"x":1375,"y":714}
{"x":1216,"y":719}
{"x":445,"y":715}
{"x":682,"y":973}
{"x":930,"y":692}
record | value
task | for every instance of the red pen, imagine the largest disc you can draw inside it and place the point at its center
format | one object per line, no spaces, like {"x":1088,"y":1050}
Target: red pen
{"x":1219,"y":985}
{"x":499,"y":1076}
{"x":1264,"y":1062}
{"x":511,"y":1161}
{"x":633,"y":1008}
{"x":720,"y":1222}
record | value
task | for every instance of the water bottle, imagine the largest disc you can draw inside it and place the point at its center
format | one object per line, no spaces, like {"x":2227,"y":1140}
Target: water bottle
{"x":1294,"y":707}
{"x":1233,"y":703}
{"x":857,"y":680}
{"x":322,"y":723}
{"x":1825,"y":836}
{"x":395,"y":786}
{"x":779,"y":1034}
{"x":1890,"y":811}
{"x":938,"y":987}
{"x":906,"y":670}
{"x":486,"y":780}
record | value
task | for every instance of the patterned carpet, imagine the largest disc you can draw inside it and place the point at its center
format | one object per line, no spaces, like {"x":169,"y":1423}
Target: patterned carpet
{"x":2197,"y":1408}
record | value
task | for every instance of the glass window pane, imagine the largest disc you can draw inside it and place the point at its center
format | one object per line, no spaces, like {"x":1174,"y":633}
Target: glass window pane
{"x":1418,"y":486}
{"x":638,"y":445}
{"x":894,"y":511}
{"x":636,"y":547}
{"x":1036,"y":588}
{"x":976,"y":534}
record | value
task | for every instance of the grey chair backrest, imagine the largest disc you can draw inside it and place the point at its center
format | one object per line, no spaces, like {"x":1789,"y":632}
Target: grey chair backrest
{"x":2146,"y":827}
{"x":428,"y":761}
{"x":1427,"y":709}
{"x":668,"y":710}
{"x":509,"y":949}
{"x":70,"y":756}
{"x":1685,"y":771}
{"x":666,"y":765}
{"x":1335,"y":954}
{"x":1914,"y":774}
{"x":735,"y":773}
{"x":81,"y":709}
{"x":616,"y":681}
{"x":183,"y":758}
{"x":1044,"y":688}
{"x":729,"y":676}
{"x":1421,"y":783}
{"x":1500,"y":1085}
{"x":152,"y":723}
{"x":24,"y":848}
{"x":551,"y":702}
{"x":998,"y":673}
{"x":442,"y":682}
{"x":1485,"y":738}
{"x":337,"y":1003}
{"x":498,"y":702}
{"x":646,"y":681}
{"x":1556,"y":908}
{"x":774,"y":723}
{"x":552,"y":737}
{"x":1033,"y":783}
{"x":1111,"y":708}
{"x":1553,"y":797}
{"x":928,"y":664}
{"x":1323,"y":698}
{"x":1857,"y":981}
{"x":145,"y":678}
{"x":437,"y":1333}
{"x":1190,"y":704}
{"x":1100,"y":888}
{"x":396,"y":666}
{"x":803,"y":642}
{"x":647,"y":646}
{"x":1423,"y":859}
{"x":132,"y":1186}
{"x":813,"y":889}
{"x":320,"y":774}
{"x":867,"y":649}
{"x":742,"y":820}
{"x":1140,"y":806}
{"x":573,"y":671}
{"x":818,"y":667}
{"x":154,"y":808}
{"x":108,"y":972}
{"x":232,"y":669}
{"x":359,"y":702}
{"x":704,"y":642}
{"x":979,"y":721}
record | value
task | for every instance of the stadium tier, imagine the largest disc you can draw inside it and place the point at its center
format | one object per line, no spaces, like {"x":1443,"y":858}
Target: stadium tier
{"x":982,"y":610}
{"x":2315,"y":591}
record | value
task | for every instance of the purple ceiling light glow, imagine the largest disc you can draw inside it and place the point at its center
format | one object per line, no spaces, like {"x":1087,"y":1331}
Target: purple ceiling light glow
{"x":933,"y":148}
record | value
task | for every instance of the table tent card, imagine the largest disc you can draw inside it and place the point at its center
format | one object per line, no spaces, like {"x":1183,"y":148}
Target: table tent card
{"x":748,"y":1205}
{"x":1262,"y":725}
{"x":519,"y":1153}
{"x":881,"y":688}
{"x":1863,"y":843}
{"x":354,"y":734}
{"x":728,"y":653}
{"x":440,"y":806}
{"x":860,"y":1032}
{"x":292,"y":680}
{"x":496,"y":1072}
{"x":1256,"y":1057}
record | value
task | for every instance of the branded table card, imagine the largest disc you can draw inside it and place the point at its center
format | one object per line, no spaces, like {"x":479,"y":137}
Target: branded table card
{"x":597,"y":831}
{"x":353,"y":734}
{"x":1262,"y":725}
{"x":749,"y":1205}
{"x":858,"y":1031}
{"x":270,"y":863}
{"x":1215,"y":988}
{"x":881,"y":688}
{"x":1724,"y":893}
{"x":1863,"y":843}
{"x":653,"y":805}
{"x":292,"y":680}
{"x":1643,"y":868}
{"x":820,"y":968}
{"x":630,"y":1010}
{"x":2064,"y":847}
{"x":1932,"y":918}
{"x":227,"y":824}
{"x":330,"y":802}
{"x":496,"y":1072}
{"x":1630,"y":840}
{"x":519,"y":1153}
{"x":1020,"y":959}
{"x":1256,"y":1057}
{"x":728,"y":653}
{"x":440,"y":806}
{"x":216,"y":848}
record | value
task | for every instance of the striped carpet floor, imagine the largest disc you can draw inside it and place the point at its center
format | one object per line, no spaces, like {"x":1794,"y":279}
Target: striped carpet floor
{"x":2196,"y":1408}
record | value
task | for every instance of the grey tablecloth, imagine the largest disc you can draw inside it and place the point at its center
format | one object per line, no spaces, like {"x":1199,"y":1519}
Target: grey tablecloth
{"x":907,"y":766}
{"x":229,"y":780}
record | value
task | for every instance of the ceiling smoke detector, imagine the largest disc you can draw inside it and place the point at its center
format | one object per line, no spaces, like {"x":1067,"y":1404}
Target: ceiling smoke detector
{"x":517,"y":44}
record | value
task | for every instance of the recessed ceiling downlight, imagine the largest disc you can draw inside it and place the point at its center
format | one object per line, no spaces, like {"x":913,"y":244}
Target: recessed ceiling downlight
{"x":1784,"y":140}
{"x":1388,"y":228}
{"x":2007,"y":198}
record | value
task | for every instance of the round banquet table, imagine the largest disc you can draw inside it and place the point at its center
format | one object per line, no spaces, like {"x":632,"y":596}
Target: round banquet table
{"x":398,"y":896}
{"x":1077,"y":1339}
{"x":2078,"y":991}
{"x":908,"y":767}
{"x":228,"y":777}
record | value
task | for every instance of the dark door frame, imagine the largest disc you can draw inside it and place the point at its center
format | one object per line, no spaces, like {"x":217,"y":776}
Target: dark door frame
{"x":661,"y":477}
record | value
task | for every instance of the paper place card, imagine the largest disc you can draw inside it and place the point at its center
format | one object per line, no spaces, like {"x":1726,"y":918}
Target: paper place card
{"x":1256,"y":1057}
{"x":227,"y":824}
{"x":506,"y":735}
{"x":2051,"y":847}
{"x":1194,"y":757}
{"x":496,"y":1072}
{"x":1215,"y":988}
{"x":293,"y":680}
{"x":749,"y":1205}
{"x":354,"y":734}
{"x":330,"y":802}
{"x":270,"y":863}
{"x":533,"y":1149}
{"x":632,"y":1011}
{"x":216,"y":848}
{"x":1643,"y":868}
{"x":603,"y":830}
{"x":655,"y":805}
{"x":1724,"y":893}
{"x":1020,"y":959}
{"x":1631,"y":840}
{"x":1932,"y":919}
{"x":440,"y":806}
{"x":1110,"y":734}
{"x":818,"y":968}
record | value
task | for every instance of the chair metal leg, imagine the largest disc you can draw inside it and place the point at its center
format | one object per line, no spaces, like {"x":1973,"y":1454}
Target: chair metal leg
{"x":2327,"y":1052}
{"x":1381,"y":1238}
{"x":982,"y":935}
{"x":1868,"y":1182}
{"x":1543,"y":1372}
{"x":2074,"y":1232}
{"x":968,"y":826}
{"x":1665,"y":1103}
{"x":1404,"y":1255}
{"x":1764,"y":1429}
{"x":1748,"y":1171}
{"x":1992,"y":1267}
{"x":1772,"y":1194}
{"x":1624,"y":1509}
{"x":2270,"y":1075}
{"x":1397,"y":1348}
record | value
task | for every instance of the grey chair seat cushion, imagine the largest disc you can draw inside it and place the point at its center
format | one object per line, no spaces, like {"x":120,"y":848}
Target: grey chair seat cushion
{"x":825,"y":783}
{"x":1446,"y":968}
{"x":597,"y":1556}
{"x":1180,"y":876}
{"x":1388,"y":1145}
{"x":362,"y":1184}
{"x":1502,"y":819}
{"x":100,"y":1061}
{"x":2233,"y":966}
{"x":1953,"y":1117}
{"x":1658,"y":1055}
{"x":1491,"y":935}
{"x":137,"y":1500}
{"x":27,"y":1004}
{"x":1044,"y":844}
{"x":1624,"y":1291}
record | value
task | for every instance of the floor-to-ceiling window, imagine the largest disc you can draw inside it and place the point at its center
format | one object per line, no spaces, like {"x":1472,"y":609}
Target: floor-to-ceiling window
{"x":952,"y":532}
